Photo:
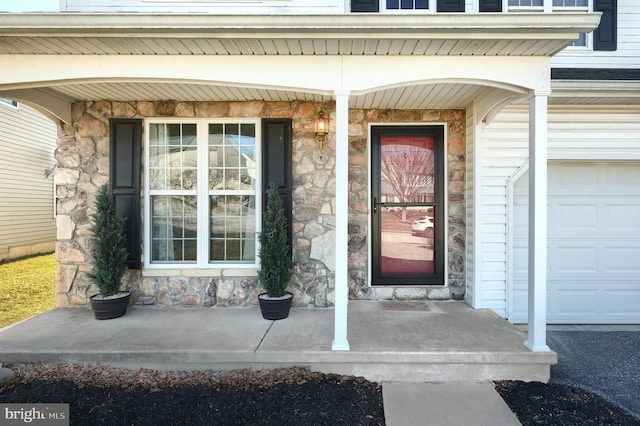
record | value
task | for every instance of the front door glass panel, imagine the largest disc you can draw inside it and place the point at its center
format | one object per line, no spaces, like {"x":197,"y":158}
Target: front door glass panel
{"x":407,"y":201}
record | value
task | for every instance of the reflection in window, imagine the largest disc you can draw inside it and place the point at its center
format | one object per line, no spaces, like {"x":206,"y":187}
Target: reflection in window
{"x":174,"y":228}
{"x":9,"y":102}
{"x":407,"y":4}
{"x":407,"y":167}
{"x":526,"y":3}
{"x":173,"y":156}
{"x":581,"y":41}
{"x":202,"y":192}
{"x":571,"y":3}
{"x":233,"y":220}
{"x":232,"y":164}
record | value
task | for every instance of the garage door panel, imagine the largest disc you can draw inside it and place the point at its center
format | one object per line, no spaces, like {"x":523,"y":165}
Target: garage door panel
{"x":622,"y":260}
{"x":571,"y":300}
{"x":623,"y":217}
{"x":621,"y":302}
{"x":616,"y":178}
{"x":593,"y":245}
{"x":571,"y":179}
{"x":571,"y":259}
{"x":520,"y":302}
{"x":573,"y":216}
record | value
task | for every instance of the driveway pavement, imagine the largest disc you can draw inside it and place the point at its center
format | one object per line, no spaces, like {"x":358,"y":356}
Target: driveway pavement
{"x":601,"y":359}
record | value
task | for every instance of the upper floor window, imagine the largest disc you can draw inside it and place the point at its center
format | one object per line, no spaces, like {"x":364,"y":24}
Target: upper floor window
{"x":571,"y":3}
{"x":526,"y":3}
{"x":580,"y":42}
{"x":407,"y":4}
{"x":202,"y":192}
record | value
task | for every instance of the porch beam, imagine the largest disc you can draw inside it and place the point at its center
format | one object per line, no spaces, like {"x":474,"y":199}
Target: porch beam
{"x":537,"y":327}
{"x":54,"y":107}
{"x":340,"y":341}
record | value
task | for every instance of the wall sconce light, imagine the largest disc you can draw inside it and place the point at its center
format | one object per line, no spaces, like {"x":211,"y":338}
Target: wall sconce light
{"x":322,"y":128}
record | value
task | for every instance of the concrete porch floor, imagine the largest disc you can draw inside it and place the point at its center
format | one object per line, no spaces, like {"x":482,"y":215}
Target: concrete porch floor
{"x":451,"y":342}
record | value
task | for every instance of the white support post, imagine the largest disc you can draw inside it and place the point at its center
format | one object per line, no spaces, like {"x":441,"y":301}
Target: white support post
{"x":537,"y":329}
{"x":340,"y":342}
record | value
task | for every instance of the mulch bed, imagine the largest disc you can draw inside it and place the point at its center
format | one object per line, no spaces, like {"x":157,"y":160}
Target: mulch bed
{"x":108,"y":396}
{"x":289,"y":396}
{"x":536,"y":403}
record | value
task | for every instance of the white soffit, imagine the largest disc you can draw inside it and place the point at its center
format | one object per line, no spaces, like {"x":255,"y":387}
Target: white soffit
{"x":506,"y":34}
{"x":595,"y":92}
{"x":421,"y":96}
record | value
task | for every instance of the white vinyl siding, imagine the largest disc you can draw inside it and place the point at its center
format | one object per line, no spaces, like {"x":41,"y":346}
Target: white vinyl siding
{"x":504,"y":148}
{"x":575,"y":133}
{"x":627,"y":54}
{"x":27,"y":145}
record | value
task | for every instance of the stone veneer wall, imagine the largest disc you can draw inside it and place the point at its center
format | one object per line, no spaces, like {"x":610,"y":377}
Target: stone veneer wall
{"x":83,"y":166}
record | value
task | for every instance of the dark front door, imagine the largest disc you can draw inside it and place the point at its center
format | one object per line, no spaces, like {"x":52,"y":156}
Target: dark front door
{"x":407,"y":182}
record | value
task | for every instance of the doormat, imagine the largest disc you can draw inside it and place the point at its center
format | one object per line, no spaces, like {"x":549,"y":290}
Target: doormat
{"x":387,"y":305}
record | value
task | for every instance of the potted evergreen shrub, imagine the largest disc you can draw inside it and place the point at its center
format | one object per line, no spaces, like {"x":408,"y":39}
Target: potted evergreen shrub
{"x":109,"y":258}
{"x":276,"y":263}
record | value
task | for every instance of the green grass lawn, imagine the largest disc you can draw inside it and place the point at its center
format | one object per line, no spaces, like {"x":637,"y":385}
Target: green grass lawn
{"x":27,"y":288}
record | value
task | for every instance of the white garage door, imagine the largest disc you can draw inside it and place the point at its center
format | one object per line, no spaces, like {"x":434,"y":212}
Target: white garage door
{"x":593,"y":245}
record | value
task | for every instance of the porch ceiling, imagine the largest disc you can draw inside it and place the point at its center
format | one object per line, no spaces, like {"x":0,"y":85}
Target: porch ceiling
{"x":487,"y":35}
{"x":421,"y":96}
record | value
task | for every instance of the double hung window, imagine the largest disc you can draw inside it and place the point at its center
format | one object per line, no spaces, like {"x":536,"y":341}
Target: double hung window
{"x":202,"y":192}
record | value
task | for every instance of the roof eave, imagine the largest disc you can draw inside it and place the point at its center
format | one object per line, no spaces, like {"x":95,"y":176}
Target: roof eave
{"x":502,"y":25}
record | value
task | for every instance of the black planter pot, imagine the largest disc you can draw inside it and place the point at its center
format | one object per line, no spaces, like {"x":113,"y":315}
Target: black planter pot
{"x":112,"y":307}
{"x":275,"y":308}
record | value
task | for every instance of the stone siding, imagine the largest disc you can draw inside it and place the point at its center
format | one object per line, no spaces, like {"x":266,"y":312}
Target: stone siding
{"x":83,"y":161}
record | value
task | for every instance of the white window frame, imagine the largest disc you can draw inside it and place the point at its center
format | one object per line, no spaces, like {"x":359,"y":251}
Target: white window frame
{"x":203,"y":194}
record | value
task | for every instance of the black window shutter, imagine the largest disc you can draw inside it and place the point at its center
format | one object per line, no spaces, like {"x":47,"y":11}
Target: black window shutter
{"x":365,"y":6}
{"x":605,"y":36}
{"x":490,"y":5}
{"x":276,"y":165}
{"x":450,"y":5}
{"x":124,"y":169}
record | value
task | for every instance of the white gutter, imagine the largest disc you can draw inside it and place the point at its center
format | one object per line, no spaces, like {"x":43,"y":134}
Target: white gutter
{"x":498,"y":26}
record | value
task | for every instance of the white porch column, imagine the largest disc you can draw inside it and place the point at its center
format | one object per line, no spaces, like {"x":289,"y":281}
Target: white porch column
{"x":537,"y":339}
{"x":340,"y":342}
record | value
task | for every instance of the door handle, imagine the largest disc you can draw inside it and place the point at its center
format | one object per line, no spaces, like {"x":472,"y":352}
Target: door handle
{"x":376,"y":204}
